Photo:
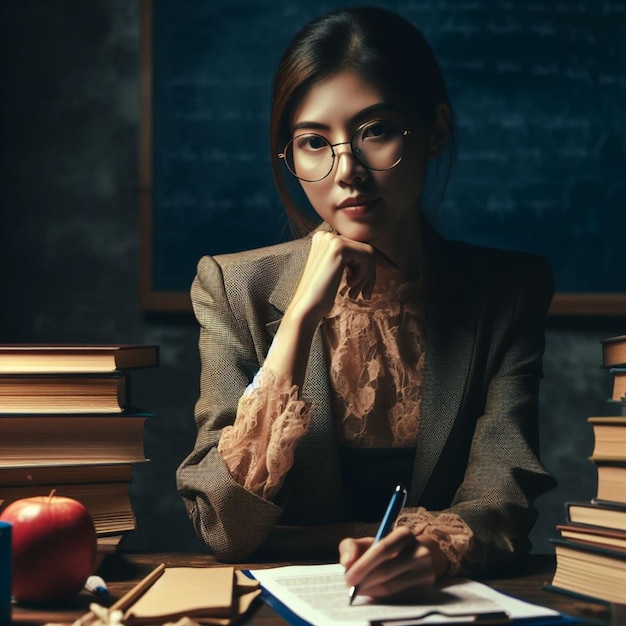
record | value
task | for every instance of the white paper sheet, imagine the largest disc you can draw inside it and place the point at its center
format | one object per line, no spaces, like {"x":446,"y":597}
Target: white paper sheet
{"x":319,"y":595}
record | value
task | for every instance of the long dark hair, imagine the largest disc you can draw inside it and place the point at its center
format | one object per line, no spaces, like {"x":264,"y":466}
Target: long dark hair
{"x":383,"y":48}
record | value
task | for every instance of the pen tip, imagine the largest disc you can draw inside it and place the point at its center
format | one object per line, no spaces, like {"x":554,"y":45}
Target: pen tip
{"x":352,"y":595}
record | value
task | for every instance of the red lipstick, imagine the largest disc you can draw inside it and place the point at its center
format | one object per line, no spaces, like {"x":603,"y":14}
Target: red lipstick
{"x":359,"y":205}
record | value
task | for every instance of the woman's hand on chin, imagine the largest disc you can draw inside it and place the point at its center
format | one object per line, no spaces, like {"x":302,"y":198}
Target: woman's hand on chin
{"x":330,"y":256}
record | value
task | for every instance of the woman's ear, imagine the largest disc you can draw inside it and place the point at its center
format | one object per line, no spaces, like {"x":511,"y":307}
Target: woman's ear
{"x":441,"y":130}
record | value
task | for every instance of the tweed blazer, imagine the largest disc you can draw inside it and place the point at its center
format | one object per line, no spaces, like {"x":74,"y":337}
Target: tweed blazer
{"x":477,"y":441}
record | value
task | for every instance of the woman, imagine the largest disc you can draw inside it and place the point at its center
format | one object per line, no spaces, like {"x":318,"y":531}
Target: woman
{"x":369,"y":351}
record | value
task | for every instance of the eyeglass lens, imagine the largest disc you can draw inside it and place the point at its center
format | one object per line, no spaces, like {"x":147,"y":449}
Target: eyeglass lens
{"x":378,"y":145}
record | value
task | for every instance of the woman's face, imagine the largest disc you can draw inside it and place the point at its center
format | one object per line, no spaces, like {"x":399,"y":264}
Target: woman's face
{"x":376,"y":207}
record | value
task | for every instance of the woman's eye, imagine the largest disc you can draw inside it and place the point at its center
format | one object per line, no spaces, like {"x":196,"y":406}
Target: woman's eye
{"x":378,"y":130}
{"x":312,"y":142}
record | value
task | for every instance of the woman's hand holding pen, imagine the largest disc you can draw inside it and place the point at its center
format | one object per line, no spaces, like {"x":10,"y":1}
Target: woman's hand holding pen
{"x":397,"y":567}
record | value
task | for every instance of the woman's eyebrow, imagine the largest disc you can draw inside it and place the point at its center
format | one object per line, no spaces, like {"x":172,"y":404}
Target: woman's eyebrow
{"x":309,"y":125}
{"x":361,"y":115}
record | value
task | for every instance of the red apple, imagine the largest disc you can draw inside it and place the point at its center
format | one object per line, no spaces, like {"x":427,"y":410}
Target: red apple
{"x":54,"y":547}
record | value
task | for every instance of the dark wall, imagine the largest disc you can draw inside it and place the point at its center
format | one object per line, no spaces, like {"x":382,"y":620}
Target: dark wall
{"x":69,"y":229}
{"x":69,"y":251}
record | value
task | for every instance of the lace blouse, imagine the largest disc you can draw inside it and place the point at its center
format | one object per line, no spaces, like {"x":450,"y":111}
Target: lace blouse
{"x":376,"y":355}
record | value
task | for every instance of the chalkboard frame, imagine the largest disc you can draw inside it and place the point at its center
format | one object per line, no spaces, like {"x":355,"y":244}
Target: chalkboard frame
{"x":153,"y":300}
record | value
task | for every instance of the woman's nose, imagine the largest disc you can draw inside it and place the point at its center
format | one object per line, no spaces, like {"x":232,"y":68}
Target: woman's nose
{"x":349,"y":168}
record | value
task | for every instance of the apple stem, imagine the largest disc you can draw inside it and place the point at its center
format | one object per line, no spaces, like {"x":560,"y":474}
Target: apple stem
{"x":51,"y":495}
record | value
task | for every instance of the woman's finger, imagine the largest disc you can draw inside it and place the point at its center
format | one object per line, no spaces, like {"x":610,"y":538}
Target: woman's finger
{"x":397,"y":567}
{"x":350,"y":550}
{"x":331,"y":257}
{"x":408,"y":576}
{"x":397,"y":541}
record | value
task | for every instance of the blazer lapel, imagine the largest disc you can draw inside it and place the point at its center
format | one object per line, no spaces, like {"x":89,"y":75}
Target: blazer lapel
{"x":450,"y":335}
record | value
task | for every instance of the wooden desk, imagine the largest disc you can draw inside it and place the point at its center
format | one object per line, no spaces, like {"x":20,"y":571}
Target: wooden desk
{"x":122,"y":571}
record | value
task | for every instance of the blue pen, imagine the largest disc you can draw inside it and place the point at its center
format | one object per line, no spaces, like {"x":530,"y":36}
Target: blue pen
{"x":396,"y":503}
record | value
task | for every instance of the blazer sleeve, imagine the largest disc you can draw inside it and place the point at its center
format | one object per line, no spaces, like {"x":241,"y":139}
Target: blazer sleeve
{"x":504,"y":474}
{"x":231,"y":520}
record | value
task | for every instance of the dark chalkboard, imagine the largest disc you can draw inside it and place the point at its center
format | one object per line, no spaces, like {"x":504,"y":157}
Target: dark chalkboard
{"x":539,"y":88}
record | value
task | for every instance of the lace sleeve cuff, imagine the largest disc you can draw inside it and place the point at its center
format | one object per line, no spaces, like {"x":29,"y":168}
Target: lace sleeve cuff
{"x":258,"y":448}
{"x":453,"y":536}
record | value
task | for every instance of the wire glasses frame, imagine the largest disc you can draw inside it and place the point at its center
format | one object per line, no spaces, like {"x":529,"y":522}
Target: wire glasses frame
{"x":377,"y":145}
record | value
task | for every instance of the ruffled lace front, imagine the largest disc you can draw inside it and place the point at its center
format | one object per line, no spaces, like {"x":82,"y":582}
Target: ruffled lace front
{"x":376,"y":365}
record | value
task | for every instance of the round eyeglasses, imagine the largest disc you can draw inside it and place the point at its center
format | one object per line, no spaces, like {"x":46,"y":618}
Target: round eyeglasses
{"x":378,"y":145}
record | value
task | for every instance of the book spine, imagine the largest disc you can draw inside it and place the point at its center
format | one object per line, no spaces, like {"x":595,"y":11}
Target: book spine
{"x":613,"y":351}
{"x":574,"y":594}
{"x":609,"y":504}
{"x":608,"y":459}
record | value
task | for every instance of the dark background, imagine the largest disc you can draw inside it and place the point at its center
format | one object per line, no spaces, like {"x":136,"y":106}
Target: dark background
{"x":69,"y":226}
{"x":539,"y":93}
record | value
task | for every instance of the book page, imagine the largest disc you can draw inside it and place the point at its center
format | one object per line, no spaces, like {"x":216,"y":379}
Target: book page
{"x":319,"y":595}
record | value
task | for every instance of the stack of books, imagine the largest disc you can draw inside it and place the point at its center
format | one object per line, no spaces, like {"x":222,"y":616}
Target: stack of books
{"x":591,"y":548}
{"x":67,"y":423}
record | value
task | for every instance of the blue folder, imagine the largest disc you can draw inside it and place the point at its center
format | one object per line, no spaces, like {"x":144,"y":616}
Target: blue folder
{"x":288,"y":615}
